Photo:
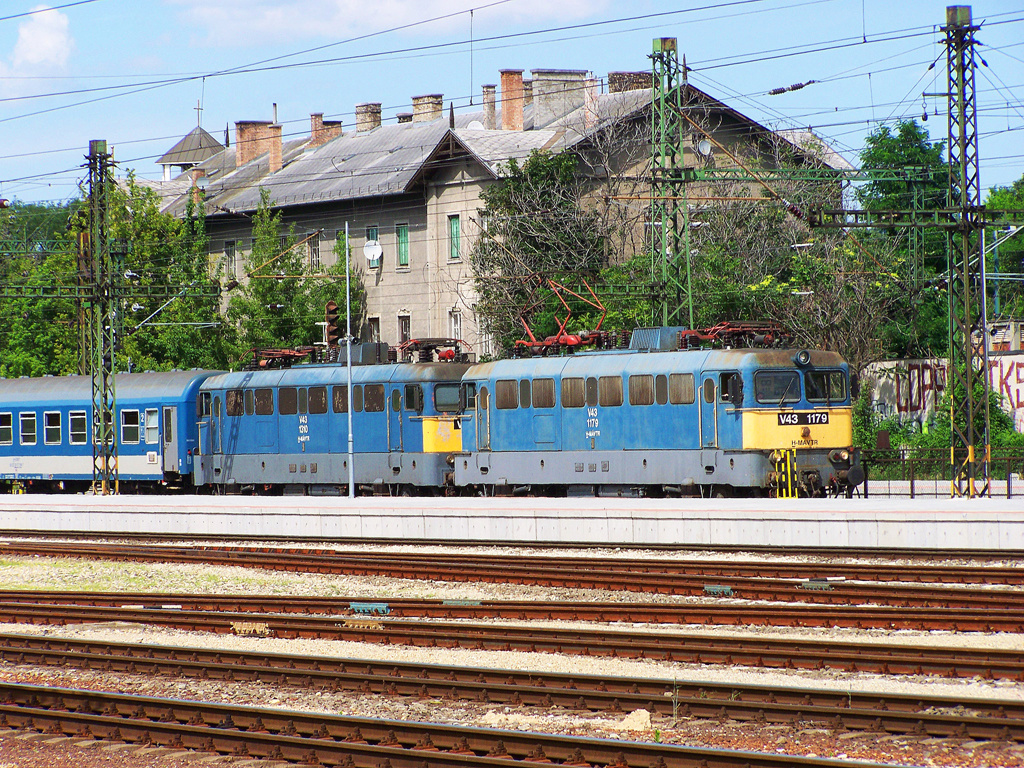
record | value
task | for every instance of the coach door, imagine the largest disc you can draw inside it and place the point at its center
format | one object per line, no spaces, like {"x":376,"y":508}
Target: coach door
{"x":170,"y":439}
{"x":483,"y":421}
{"x":708,"y":412}
{"x":395,"y":420}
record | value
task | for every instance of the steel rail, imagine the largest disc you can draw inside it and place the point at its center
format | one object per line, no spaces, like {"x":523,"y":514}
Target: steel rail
{"x":581,"y":574}
{"x":787,"y":653}
{"x":701,"y":612}
{"x":978,"y":719}
{"x":319,"y":738}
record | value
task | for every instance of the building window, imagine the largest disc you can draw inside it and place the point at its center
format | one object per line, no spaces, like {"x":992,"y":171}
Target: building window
{"x":404,"y":328}
{"x":314,"y":253}
{"x":454,"y":238}
{"x":129,"y":426}
{"x":402,"y":236}
{"x":373,"y":329}
{"x":27,"y":422}
{"x":454,"y":324}
{"x":373,"y":232}
{"x":51,"y":428}
{"x":229,"y":258}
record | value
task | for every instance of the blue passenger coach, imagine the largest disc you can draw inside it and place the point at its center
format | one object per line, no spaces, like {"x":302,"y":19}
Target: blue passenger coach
{"x":286,"y":430}
{"x":46,"y":440}
{"x":653,"y":422}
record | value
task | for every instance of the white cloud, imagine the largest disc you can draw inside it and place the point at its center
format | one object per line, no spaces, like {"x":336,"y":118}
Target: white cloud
{"x":235,"y":22}
{"x":44,"y":43}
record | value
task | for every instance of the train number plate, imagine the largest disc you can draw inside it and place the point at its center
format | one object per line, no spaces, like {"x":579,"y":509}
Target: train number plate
{"x":800,"y":419}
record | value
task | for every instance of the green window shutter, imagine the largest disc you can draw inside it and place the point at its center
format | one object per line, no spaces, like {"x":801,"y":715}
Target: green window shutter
{"x":454,"y":238}
{"x":402,"y":233}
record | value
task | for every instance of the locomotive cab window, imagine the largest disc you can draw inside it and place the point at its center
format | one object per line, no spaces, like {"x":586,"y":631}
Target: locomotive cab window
{"x":730,"y":388}
{"x":27,"y":422}
{"x":51,"y":428}
{"x":414,"y":398}
{"x":6,"y":429}
{"x":204,"y":404}
{"x":776,"y":387}
{"x":506,"y":394}
{"x":78,"y":427}
{"x":447,"y":398}
{"x":825,"y":386}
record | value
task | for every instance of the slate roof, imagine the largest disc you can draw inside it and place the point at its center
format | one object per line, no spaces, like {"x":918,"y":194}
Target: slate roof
{"x":195,"y":147}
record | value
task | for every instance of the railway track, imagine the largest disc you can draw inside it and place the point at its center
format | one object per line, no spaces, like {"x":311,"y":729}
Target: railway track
{"x":821,"y":584}
{"x":937,"y":717}
{"x":348,"y":741}
{"x":787,"y":653}
{"x":703,"y":612}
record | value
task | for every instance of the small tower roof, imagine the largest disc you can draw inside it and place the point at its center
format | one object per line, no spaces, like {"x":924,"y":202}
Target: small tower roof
{"x":194,"y":148}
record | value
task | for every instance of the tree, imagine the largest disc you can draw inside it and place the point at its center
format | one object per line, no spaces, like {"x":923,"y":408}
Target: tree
{"x":1011,"y":250}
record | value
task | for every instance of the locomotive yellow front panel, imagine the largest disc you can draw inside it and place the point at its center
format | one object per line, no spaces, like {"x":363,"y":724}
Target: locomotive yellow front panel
{"x":823,"y":428}
{"x":442,"y":434}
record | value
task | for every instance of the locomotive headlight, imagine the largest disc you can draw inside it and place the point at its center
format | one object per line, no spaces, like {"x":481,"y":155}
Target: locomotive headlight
{"x":838,"y":456}
{"x":802,"y":358}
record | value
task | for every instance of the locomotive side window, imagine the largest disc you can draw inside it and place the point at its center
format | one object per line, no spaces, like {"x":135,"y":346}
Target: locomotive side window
{"x":373,"y":398}
{"x":51,"y":428}
{"x":357,"y":398}
{"x":506,"y":394}
{"x":249,"y":405}
{"x":204,"y":404}
{"x":152,"y":426}
{"x":264,"y":402}
{"x":641,"y":389}
{"x":572,"y":393}
{"x":78,"y":427}
{"x":708,"y":390}
{"x":591,"y":391}
{"x":730,"y":389}
{"x":303,"y":400}
{"x":544,"y":393}
{"x":661,"y":389}
{"x":414,"y":397}
{"x":27,"y":422}
{"x":318,"y":399}
{"x":396,"y":400}
{"x":233,"y":402}
{"x":825,"y":386}
{"x":525,"y":397}
{"x":339,"y":399}
{"x":287,"y":401}
{"x":776,"y":387}
{"x":446,"y":398}
{"x":129,"y":426}
{"x":610,"y":390}
{"x":6,"y":429}
{"x":681,"y":389}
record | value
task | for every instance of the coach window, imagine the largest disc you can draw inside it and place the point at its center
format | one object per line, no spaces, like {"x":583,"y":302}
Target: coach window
{"x":661,"y":389}
{"x":303,"y":400}
{"x":447,"y":398}
{"x":249,"y":404}
{"x":414,"y":397}
{"x":357,"y":398}
{"x":543,"y":393}
{"x":318,"y":399}
{"x":641,"y":389}
{"x":373,"y":398}
{"x":78,"y":427}
{"x":524,"y":394}
{"x":339,"y":399}
{"x":6,"y":429}
{"x":572,"y":393}
{"x":287,"y":401}
{"x":776,"y":387}
{"x":825,"y":386}
{"x":129,"y":426}
{"x":27,"y":422}
{"x":610,"y":390}
{"x":681,"y":389}
{"x":506,"y":394}
{"x":152,"y":426}
{"x":264,"y":402}
{"x":51,"y":428}
{"x":233,"y":402}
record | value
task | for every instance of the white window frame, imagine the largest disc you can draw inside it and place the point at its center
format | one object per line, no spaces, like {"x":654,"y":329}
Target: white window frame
{"x":137,"y":425}
{"x":22,"y":418}
{"x":46,"y":428}
{"x":10,"y":427}
{"x":152,"y":415}
{"x":231,"y":257}
{"x":84,"y":434}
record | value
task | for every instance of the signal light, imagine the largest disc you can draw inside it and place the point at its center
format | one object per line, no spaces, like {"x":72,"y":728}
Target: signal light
{"x":4,"y":202}
{"x":331,"y":316}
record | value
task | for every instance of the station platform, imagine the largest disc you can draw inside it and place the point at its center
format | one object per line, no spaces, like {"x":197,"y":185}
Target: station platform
{"x":925,"y":524}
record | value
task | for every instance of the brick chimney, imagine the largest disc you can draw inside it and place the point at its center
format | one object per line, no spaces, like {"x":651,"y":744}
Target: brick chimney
{"x":321,"y":131}
{"x":427,"y":108}
{"x":511,"y":99}
{"x":251,"y":140}
{"x":367,"y":116}
{"x":557,"y":92}
{"x":489,"y":119}
{"x":618,"y":82}
{"x":274,"y":132}
{"x":527,"y":92}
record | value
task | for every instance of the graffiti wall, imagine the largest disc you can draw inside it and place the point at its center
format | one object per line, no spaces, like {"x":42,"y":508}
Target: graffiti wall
{"x":910,"y":389}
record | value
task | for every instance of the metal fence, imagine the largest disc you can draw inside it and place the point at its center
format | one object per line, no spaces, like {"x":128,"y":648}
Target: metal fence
{"x":926,"y":472}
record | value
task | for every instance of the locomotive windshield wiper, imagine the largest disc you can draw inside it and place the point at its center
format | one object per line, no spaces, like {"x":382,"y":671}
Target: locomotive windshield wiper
{"x":783,"y":398}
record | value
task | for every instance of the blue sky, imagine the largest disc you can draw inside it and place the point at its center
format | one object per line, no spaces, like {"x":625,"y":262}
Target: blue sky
{"x":150,"y":58}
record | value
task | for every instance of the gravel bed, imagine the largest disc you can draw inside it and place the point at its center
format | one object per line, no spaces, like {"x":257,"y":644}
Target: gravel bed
{"x":60,"y":574}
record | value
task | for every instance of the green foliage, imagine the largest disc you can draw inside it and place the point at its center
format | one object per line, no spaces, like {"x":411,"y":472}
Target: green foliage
{"x":1010,"y":250}
{"x":909,"y":147}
